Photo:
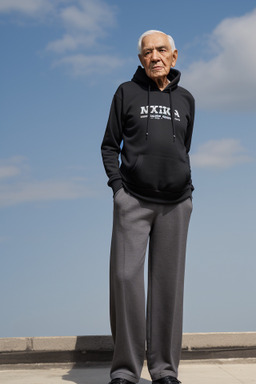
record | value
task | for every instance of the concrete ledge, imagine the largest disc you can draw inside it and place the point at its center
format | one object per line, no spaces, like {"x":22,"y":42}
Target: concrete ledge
{"x":219,"y":345}
{"x":100,"y":348}
{"x":218,"y":340}
{"x":55,"y":349}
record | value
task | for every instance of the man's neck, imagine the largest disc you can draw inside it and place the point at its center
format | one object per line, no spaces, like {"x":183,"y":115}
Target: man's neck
{"x":162,"y":83}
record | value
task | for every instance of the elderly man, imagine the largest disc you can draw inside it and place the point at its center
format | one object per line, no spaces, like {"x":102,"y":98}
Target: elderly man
{"x":150,"y":125}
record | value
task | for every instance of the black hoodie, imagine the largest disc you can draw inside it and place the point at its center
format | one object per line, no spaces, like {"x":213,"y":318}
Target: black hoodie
{"x":152,"y":129}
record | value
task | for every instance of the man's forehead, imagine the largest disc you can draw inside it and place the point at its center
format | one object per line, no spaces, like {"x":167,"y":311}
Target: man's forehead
{"x":156,"y":39}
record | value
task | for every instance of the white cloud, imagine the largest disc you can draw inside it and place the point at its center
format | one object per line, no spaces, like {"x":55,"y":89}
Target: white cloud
{"x":8,"y":171}
{"x":27,"y":7}
{"x":69,"y":42}
{"x":38,"y":191}
{"x":86,"y":65}
{"x":17,"y":186}
{"x":83,"y":23}
{"x":228,"y":79}
{"x":89,"y":15}
{"x":11,"y":167}
{"x":220,"y":154}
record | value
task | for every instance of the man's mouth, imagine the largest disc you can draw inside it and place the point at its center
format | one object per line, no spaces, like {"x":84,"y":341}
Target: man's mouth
{"x":157,"y":68}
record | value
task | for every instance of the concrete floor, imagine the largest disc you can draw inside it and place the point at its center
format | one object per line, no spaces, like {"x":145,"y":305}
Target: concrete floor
{"x":226,"y":371}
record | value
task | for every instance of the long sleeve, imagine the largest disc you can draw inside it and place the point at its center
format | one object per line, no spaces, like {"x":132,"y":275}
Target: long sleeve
{"x":110,"y":148}
{"x":190,"y":125}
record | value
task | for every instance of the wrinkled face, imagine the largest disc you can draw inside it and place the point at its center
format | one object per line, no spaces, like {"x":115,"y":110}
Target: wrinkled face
{"x":157,"y":56}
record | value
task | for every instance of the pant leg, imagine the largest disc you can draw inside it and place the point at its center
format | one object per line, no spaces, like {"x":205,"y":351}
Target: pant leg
{"x":166,"y":285}
{"x":131,"y":227}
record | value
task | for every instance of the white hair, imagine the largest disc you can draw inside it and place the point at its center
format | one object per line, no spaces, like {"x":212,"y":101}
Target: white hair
{"x":150,"y":33}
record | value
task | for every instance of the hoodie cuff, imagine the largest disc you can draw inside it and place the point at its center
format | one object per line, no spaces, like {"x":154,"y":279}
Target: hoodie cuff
{"x":116,"y":185}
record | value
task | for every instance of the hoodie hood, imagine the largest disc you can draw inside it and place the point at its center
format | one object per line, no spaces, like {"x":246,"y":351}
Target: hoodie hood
{"x":140,"y":77}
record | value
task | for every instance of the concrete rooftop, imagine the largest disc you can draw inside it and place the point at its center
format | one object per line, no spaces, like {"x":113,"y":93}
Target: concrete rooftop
{"x":223,"y":371}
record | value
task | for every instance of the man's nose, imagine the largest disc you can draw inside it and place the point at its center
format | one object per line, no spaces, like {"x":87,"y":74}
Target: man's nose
{"x":155,"y":56}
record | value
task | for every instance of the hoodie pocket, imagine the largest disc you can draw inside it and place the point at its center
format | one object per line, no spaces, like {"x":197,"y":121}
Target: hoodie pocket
{"x":161,"y":173}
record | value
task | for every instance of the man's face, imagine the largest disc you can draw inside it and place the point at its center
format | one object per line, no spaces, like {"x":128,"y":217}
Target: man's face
{"x":157,"y":56}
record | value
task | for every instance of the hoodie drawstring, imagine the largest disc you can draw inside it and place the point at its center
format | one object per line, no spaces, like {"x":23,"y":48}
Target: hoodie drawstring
{"x":172,"y":117}
{"x":171,"y":111}
{"x":148,"y":111}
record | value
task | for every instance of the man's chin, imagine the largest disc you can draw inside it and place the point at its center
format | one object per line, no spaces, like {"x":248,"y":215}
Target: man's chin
{"x":157,"y":75}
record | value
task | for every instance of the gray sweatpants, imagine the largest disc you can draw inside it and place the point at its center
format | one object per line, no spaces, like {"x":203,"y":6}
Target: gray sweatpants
{"x":165,"y":226}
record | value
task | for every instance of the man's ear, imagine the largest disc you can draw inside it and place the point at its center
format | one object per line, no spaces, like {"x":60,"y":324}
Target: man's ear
{"x":141,"y":59}
{"x":174,"y":58}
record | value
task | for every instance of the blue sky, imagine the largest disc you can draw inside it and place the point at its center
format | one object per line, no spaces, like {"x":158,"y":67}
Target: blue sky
{"x":61,"y":63}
